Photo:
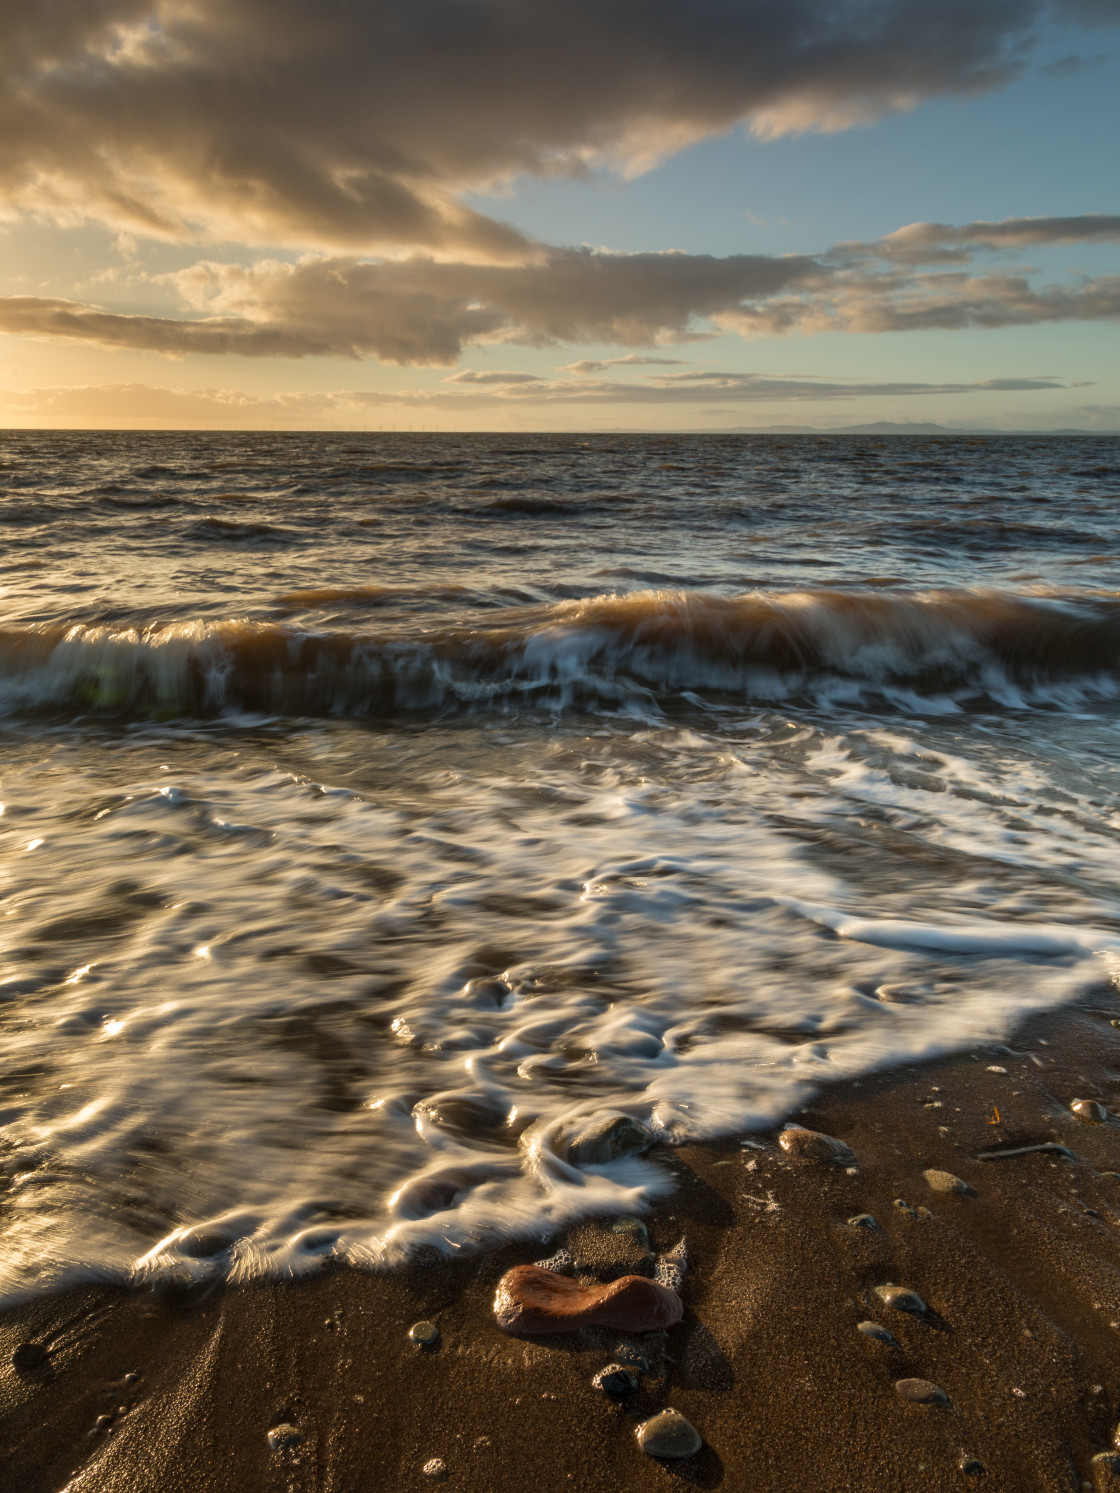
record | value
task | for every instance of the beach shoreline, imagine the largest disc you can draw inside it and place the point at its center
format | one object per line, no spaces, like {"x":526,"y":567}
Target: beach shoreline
{"x":147,"y":1390}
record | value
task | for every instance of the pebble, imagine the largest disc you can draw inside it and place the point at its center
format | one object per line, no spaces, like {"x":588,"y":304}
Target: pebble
{"x":529,"y":1301}
{"x":424,"y":1334}
{"x":900,"y":1298}
{"x":131,"y":1377}
{"x":29,"y":1356}
{"x":669,"y":1434}
{"x":606,"y":1137}
{"x":878,"y":1333}
{"x":103,"y":1422}
{"x":920,"y":1392}
{"x":971,"y":1466}
{"x":812,"y":1145}
{"x":283,"y":1437}
{"x":1090,"y":1111}
{"x":945,"y":1181}
{"x":862,"y":1221}
{"x":615,"y":1379}
{"x":436,"y":1468}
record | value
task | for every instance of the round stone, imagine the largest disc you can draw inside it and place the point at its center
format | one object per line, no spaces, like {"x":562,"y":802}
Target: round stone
{"x":436,"y":1468}
{"x":862,"y":1221}
{"x":1090,"y":1111}
{"x":29,"y":1356}
{"x":605,"y":1137}
{"x":424,"y":1334}
{"x":900,"y":1298}
{"x":669,"y":1434}
{"x":920,"y":1392}
{"x":283,"y":1437}
{"x":616,"y":1379}
{"x":877,"y":1333}
{"x":971,"y":1466}
{"x":945,"y":1181}
{"x":812,"y":1145}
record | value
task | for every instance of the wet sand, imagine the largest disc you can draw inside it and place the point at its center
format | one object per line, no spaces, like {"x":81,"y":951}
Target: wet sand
{"x":1022,"y":1332}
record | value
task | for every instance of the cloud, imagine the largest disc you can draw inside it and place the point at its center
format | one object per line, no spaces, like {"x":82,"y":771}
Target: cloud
{"x":355,"y":126}
{"x":631,"y":360}
{"x":142,"y":405}
{"x":424,"y":311}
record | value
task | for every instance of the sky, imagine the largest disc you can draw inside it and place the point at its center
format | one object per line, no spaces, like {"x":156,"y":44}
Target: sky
{"x":586,"y":215}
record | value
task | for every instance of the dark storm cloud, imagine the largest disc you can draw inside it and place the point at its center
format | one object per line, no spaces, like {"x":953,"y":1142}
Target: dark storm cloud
{"x":356,"y":125}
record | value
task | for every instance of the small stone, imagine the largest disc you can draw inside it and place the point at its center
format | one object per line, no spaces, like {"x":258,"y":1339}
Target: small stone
{"x":902,"y":1205}
{"x":920,"y":1392}
{"x":103,"y":1422}
{"x":29,"y":1356}
{"x":877,"y":1333}
{"x":605,"y":1137}
{"x":862,"y":1221}
{"x":971,"y":1466}
{"x":424,"y":1334}
{"x":945,"y":1181}
{"x":1090,"y":1111}
{"x":436,"y":1468}
{"x":900,"y":1298}
{"x":812,"y":1145}
{"x":131,"y":1377}
{"x":531,"y":1301}
{"x":615,"y":1379}
{"x":283,"y":1437}
{"x":669,"y":1434}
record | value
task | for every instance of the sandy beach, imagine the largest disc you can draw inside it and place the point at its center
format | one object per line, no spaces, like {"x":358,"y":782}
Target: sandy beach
{"x":1020,"y":1278}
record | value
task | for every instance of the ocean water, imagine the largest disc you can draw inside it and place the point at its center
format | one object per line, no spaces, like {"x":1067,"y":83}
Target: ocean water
{"x":380,"y":809}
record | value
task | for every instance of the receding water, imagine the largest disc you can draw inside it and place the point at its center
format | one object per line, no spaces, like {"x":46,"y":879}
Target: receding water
{"x":376,"y":806}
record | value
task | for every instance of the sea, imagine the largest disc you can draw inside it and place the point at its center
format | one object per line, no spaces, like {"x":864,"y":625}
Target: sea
{"x":382,"y":811}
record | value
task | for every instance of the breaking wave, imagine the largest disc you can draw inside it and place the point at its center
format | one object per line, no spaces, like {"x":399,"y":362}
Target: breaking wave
{"x":947,"y":648}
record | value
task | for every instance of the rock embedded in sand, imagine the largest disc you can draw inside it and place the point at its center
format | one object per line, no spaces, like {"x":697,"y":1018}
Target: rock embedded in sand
{"x":812,"y":1145}
{"x":605,"y":1137}
{"x":435,"y":1469}
{"x":971,"y":1466}
{"x":531,"y":1301}
{"x":877,"y":1333}
{"x":29,"y":1356}
{"x":424,"y":1334}
{"x":899,"y":1297}
{"x":1089,"y":1110}
{"x":669,"y":1434}
{"x":616,"y":1379}
{"x":283,"y":1437}
{"x":945,"y":1181}
{"x":862,"y":1221}
{"x":920,"y":1392}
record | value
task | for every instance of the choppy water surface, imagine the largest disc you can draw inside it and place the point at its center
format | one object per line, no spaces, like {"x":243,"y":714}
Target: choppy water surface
{"x":376,"y":806}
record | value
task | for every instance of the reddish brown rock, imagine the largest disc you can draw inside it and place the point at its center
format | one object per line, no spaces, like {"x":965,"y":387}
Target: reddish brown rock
{"x":530,"y":1300}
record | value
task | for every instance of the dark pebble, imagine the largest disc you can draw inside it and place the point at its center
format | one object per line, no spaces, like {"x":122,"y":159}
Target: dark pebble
{"x":862,"y":1221}
{"x":283,"y":1437}
{"x":971,"y":1467}
{"x":616,"y":1380}
{"x":424,"y":1334}
{"x":812,"y":1145}
{"x":29,"y":1356}
{"x":1089,"y":1111}
{"x":900,"y":1298}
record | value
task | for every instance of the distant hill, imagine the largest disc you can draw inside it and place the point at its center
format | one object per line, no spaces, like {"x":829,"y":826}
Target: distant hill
{"x":895,"y":427}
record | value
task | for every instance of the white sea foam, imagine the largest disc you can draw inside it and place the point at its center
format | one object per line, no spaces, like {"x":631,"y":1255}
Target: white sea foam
{"x":241,"y":1012}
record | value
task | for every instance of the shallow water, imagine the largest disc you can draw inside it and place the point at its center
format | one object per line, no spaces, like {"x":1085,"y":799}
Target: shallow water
{"x":745,"y":764}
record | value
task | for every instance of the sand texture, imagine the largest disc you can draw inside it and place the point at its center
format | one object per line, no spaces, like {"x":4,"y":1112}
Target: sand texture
{"x":1019,"y":1275}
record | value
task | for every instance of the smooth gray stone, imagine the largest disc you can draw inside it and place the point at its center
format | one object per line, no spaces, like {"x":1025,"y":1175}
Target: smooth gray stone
{"x":1089,"y":1110}
{"x":424,"y":1334}
{"x":605,"y":1137}
{"x":902,"y":1299}
{"x":283,"y":1437}
{"x":669,"y":1434}
{"x":813,"y":1145}
{"x":877,"y":1333}
{"x":920,"y":1392}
